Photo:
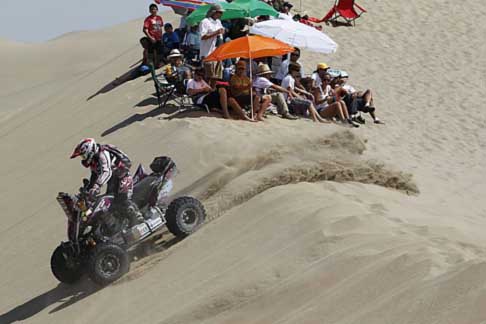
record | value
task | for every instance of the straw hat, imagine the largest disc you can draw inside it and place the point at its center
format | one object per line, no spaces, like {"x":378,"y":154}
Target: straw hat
{"x":263,"y":69}
{"x":322,"y":66}
{"x":174,"y":53}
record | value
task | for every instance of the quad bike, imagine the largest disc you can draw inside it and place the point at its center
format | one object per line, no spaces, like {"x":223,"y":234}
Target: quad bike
{"x":99,"y":241}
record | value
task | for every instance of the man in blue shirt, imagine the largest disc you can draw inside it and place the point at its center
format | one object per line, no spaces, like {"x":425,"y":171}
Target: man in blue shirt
{"x":170,"y":39}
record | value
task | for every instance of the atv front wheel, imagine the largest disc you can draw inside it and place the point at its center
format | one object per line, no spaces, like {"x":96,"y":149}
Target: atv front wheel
{"x":107,"y":263}
{"x":64,"y":266}
{"x":184,"y":216}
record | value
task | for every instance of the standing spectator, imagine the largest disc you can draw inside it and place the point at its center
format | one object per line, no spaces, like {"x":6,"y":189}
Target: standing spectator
{"x":210,"y":30}
{"x":152,"y":28}
{"x":284,"y":67}
{"x":192,"y":43}
{"x":170,"y":39}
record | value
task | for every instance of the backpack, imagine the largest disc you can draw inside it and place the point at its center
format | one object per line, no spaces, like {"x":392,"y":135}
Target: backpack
{"x":120,"y":155}
{"x":162,"y":164}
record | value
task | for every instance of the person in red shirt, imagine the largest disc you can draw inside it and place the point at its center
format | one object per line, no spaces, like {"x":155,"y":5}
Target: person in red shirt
{"x":152,"y":28}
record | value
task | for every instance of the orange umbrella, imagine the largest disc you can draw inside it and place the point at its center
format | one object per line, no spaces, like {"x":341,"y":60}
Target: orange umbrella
{"x":250,"y":47}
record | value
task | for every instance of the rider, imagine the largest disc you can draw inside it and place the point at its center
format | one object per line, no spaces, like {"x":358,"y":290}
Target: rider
{"x":110,"y":165}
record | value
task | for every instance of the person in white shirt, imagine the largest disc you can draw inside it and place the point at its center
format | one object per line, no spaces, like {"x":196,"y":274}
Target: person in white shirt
{"x":357,"y":101}
{"x":328,"y":105}
{"x":262,"y":86}
{"x":320,"y":71}
{"x":210,"y":30}
{"x":203,"y":94}
{"x":284,"y":67}
{"x":296,"y":99}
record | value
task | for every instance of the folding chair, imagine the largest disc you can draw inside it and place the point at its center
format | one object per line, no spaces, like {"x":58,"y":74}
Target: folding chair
{"x":342,"y":8}
{"x":167,"y":91}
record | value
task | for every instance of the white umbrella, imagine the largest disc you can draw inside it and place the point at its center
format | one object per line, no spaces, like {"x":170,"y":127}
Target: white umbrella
{"x":295,"y":34}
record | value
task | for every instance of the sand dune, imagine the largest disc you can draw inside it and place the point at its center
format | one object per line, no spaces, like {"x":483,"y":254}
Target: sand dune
{"x":308,"y":223}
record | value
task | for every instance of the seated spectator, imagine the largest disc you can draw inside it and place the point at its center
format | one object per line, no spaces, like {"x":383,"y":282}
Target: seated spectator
{"x":176,"y":72}
{"x":360,"y":101}
{"x":240,"y":89}
{"x":170,"y":39}
{"x":203,"y":94}
{"x":285,"y":10}
{"x":296,"y":98}
{"x":263,"y":86}
{"x":284,"y":67}
{"x":320,"y":71}
{"x":327,"y":104}
{"x":192,"y":43}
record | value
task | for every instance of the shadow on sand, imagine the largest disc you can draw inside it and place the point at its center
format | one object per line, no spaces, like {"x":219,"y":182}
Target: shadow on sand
{"x":131,"y":74}
{"x":66,"y":294}
{"x":170,"y":110}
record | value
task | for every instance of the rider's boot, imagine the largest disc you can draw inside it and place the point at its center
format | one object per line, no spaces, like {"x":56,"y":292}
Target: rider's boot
{"x":134,"y":215}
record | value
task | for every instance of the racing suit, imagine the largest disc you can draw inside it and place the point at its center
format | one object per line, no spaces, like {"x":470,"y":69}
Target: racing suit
{"x":108,"y":168}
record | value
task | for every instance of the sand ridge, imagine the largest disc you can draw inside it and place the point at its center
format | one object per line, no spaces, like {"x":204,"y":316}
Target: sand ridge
{"x":307,"y":224}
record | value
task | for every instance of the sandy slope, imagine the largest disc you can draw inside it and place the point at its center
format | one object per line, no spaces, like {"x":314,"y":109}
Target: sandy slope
{"x":284,"y":245}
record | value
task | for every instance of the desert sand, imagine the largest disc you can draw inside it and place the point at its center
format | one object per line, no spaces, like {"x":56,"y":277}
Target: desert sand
{"x":307,"y":223}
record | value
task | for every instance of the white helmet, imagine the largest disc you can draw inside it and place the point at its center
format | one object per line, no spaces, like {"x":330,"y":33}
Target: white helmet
{"x":87,"y":148}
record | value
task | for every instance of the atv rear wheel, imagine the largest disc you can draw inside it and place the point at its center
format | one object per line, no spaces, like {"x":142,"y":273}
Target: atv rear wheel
{"x":107,"y":263}
{"x":184,"y":216}
{"x":64,"y":266}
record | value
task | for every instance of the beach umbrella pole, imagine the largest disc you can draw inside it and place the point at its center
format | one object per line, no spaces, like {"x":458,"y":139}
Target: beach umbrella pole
{"x":251,"y":88}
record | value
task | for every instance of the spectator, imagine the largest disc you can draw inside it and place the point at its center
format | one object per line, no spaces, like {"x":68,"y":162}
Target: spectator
{"x":176,"y":72}
{"x":286,"y":9}
{"x":328,"y":105}
{"x":192,"y":43}
{"x":320,"y":71}
{"x":277,"y":4}
{"x":295,"y":97}
{"x":170,"y":39}
{"x":240,"y":87}
{"x":284,"y":67}
{"x":203,"y":94}
{"x":152,"y":28}
{"x":263,"y":85}
{"x":210,"y":30}
{"x":357,"y":101}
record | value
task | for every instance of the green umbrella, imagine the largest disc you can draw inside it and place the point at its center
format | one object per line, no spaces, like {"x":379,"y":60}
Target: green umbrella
{"x":234,"y":10}
{"x":254,"y":8}
{"x":231,"y":11}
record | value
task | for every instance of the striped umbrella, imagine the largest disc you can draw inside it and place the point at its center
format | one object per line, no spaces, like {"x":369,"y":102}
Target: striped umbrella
{"x":184,"y":4}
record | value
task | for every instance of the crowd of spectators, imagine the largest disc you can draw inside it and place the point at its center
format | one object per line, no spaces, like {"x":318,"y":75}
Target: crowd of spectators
{"x":279,"y":85}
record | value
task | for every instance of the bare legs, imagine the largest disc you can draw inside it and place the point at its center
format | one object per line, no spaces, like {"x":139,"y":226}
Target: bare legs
{"x":231,"y":102}
{"x":223,"y":100}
